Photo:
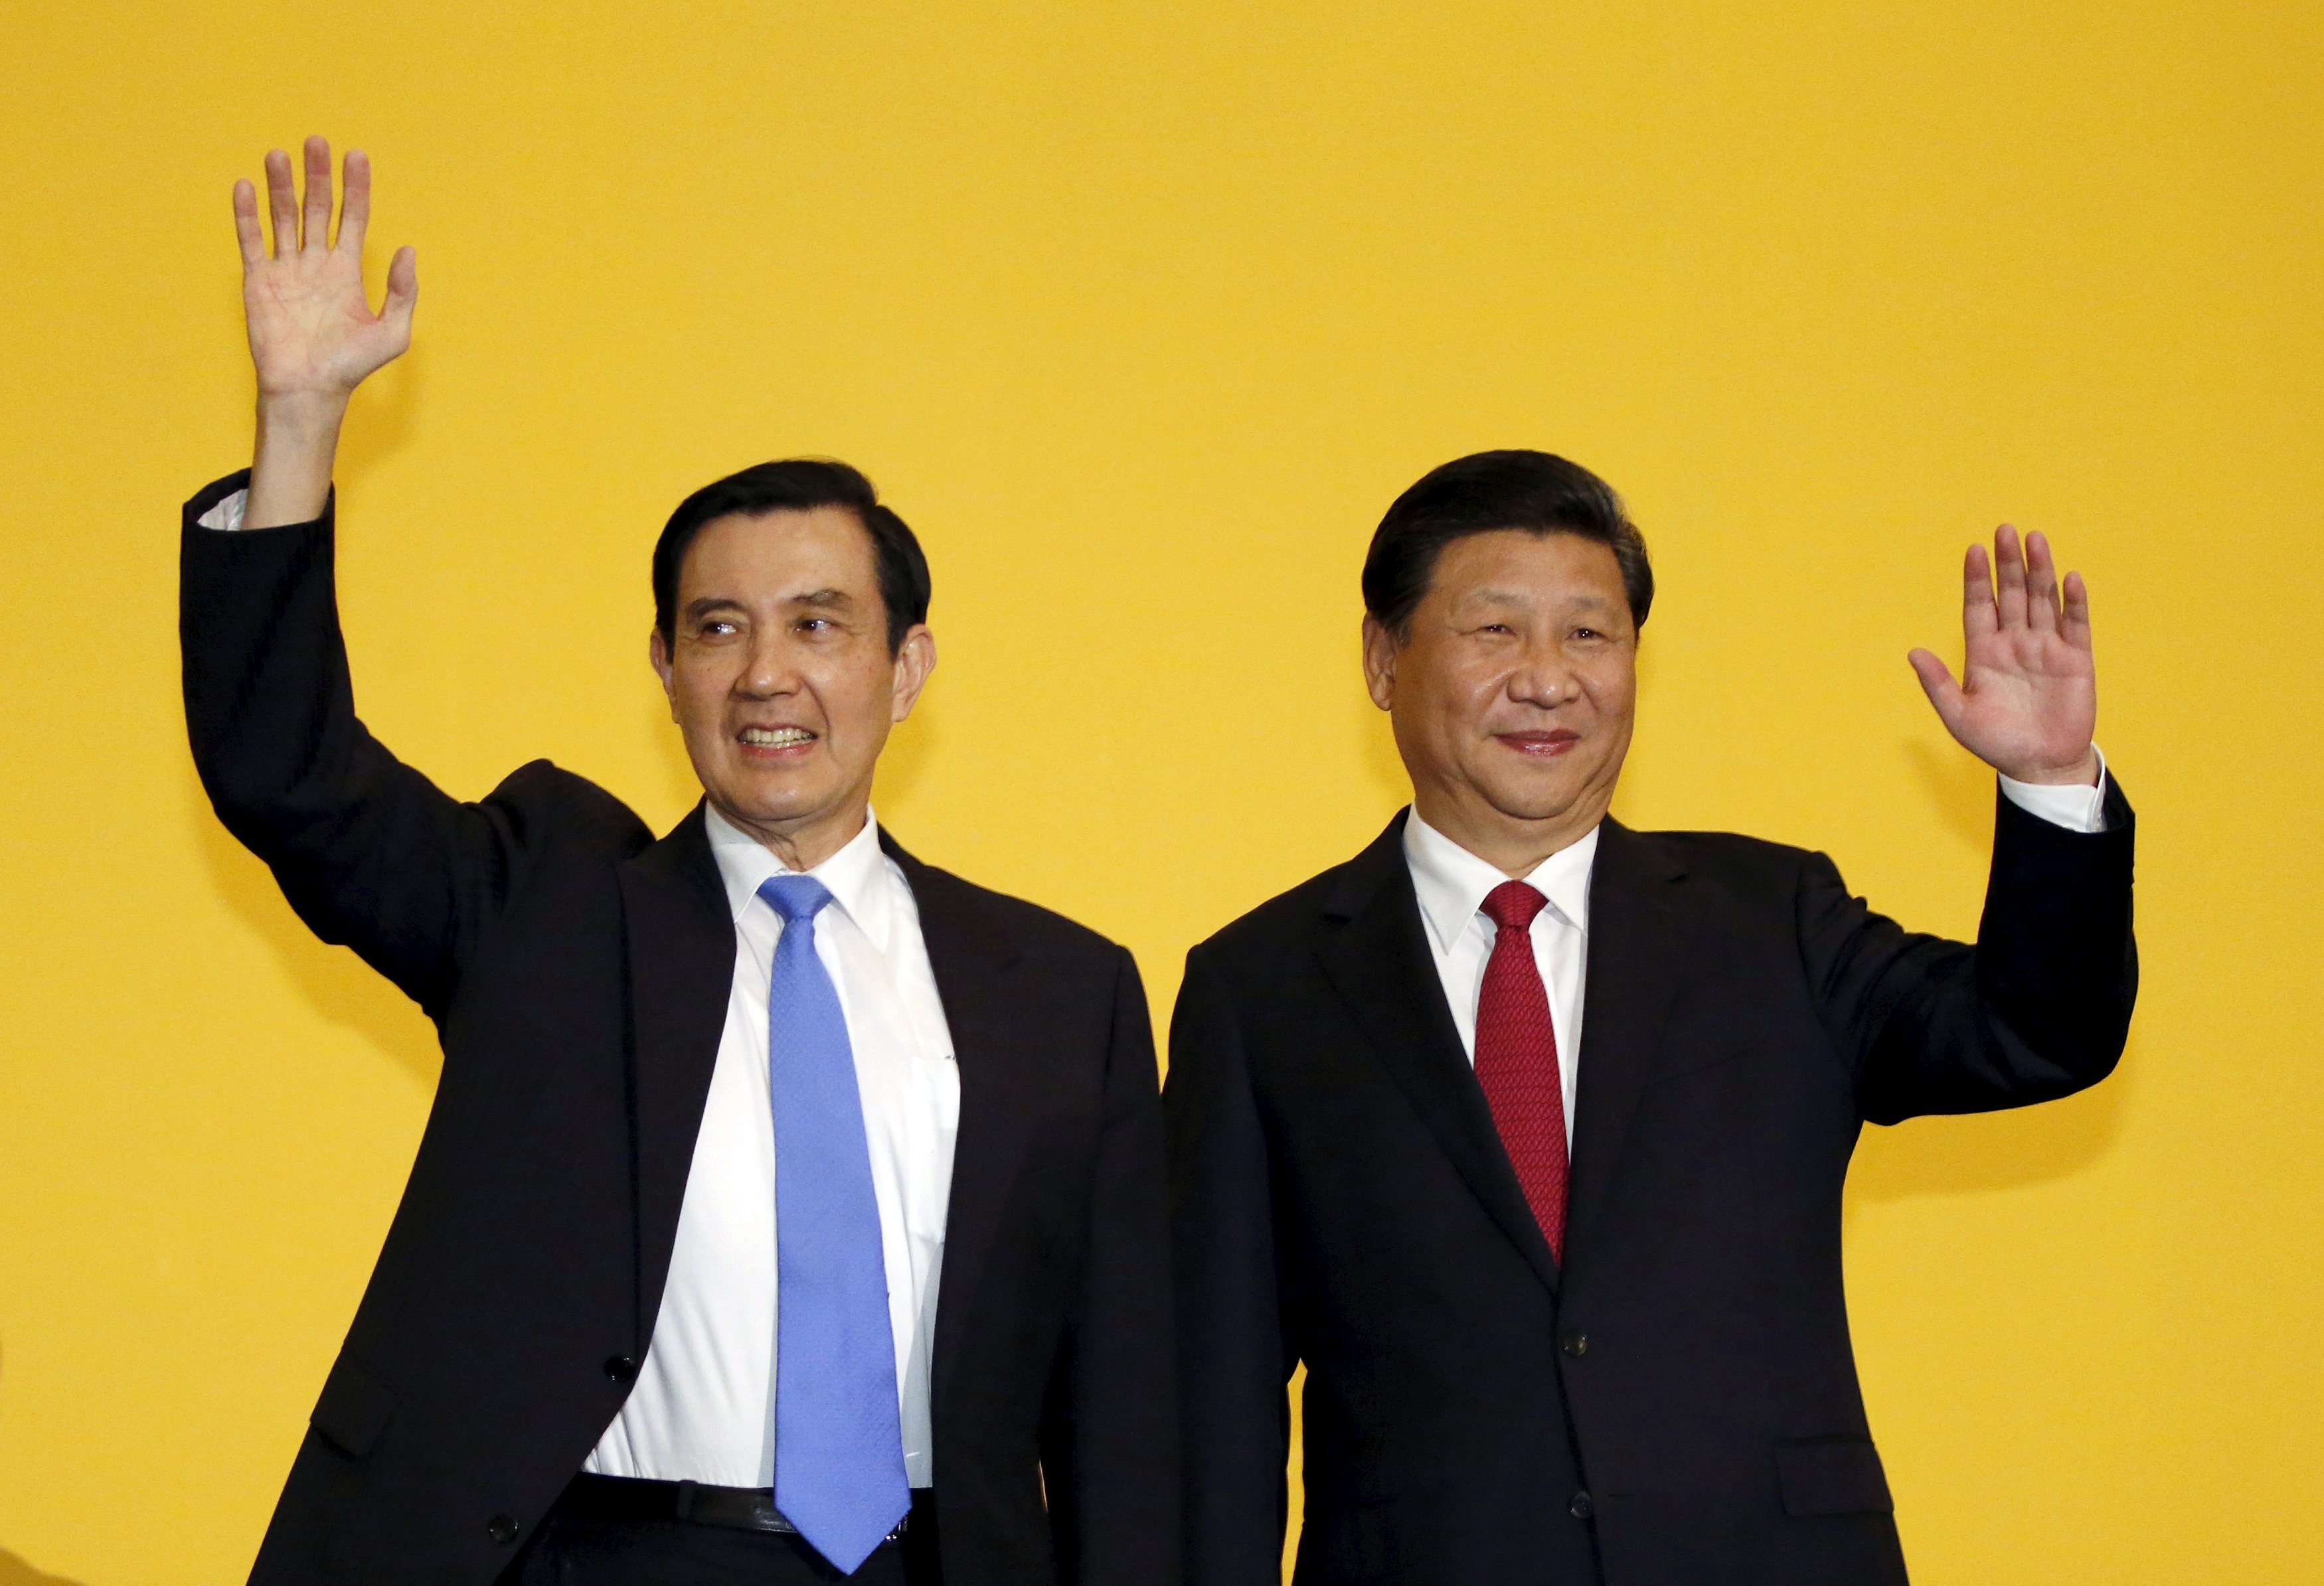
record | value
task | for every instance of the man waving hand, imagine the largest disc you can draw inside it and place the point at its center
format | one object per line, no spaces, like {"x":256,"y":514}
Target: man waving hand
{"x":1526,"y":1131}
{"x":721,"y":1111}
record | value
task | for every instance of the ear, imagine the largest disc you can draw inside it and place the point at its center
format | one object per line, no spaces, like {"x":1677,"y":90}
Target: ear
{"x":1381,"y":650}
{"x":657,"y":654}
{"x":915,"y":660}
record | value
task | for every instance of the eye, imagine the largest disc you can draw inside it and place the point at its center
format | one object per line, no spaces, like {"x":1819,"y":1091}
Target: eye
{"x":1497,"y":628}
{"x":813,"y":624}
{"x":716,"y":627}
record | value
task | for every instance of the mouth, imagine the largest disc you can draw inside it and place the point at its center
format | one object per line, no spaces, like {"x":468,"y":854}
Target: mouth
{"x":772,"y":742}
{"x":1545,"y":744}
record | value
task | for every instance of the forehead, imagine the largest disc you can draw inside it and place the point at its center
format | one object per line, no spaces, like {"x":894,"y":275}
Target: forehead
{"x":772,"y":556}
{"x":1552,"y":569}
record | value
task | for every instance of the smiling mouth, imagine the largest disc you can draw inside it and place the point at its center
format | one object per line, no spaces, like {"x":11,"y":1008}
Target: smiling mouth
{"x":1554,"y":742}
{"x":774,"y":737}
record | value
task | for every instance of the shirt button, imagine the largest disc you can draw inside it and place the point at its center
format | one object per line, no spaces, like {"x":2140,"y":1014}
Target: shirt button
{"x":1580,"y":1508}
{"x":500,"y":1528}
{"x":1576,"y":1344}
{"x":621,"y":1368}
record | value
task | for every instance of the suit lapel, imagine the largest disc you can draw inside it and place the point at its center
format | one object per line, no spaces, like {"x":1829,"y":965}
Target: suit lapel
{"x":1636,"y":951}
{"x":679,"y":937}
{"x":974,"y":964}
{"x":1376,"y":954}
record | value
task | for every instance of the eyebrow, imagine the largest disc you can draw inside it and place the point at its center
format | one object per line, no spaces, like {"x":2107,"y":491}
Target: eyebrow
{"x":818,"y":599}
{"x":1525,"y":598}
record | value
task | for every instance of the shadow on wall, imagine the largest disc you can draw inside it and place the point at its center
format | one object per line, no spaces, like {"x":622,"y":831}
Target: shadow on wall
{"x":383,"y":419}
{"x":337,"y":986}
{"x":15,"y":1571}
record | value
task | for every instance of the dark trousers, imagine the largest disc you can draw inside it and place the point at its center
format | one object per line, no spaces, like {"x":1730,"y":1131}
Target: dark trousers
{"x":570,"y":1550}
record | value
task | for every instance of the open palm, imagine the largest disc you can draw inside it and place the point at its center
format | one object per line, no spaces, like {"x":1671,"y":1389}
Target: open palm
{"x":2026,"y":702}
{"x":312,"y":330}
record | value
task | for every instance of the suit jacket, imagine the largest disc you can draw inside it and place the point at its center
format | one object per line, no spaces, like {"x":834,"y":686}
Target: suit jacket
{"x":1678,"y":1405}
{"x":578,"y":971}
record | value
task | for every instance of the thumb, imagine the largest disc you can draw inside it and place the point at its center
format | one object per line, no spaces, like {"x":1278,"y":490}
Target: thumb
{"x":1938,"y":684}
{"x":403,"y":292}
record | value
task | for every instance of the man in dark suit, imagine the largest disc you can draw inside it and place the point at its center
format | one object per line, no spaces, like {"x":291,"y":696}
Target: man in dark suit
{"x":717,"y":1111}
{"x":1527,"y":1132}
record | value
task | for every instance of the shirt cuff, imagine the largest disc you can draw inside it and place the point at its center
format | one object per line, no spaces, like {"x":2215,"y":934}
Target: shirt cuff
{"x":2075,"y":809}
{"x":227,"y":515}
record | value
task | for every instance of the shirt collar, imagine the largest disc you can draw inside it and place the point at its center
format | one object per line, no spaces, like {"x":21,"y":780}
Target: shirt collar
{"x":1451,"y":883}
{"x":855,"y":876}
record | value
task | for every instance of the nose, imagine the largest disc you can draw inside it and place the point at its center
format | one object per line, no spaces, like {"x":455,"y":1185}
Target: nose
{"x":1543,"y":677}
{"x":767,"y":671}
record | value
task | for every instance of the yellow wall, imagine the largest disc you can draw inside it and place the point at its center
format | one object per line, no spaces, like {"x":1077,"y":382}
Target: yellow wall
{"x":1141,"y":314}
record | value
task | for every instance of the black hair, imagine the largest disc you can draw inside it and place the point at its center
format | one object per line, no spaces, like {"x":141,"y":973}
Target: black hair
{"x":1477,"y":494}
{"x":798,"y":484}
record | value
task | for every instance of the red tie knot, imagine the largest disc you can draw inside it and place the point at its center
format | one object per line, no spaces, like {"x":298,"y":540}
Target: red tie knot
{"x":1513,"y":904}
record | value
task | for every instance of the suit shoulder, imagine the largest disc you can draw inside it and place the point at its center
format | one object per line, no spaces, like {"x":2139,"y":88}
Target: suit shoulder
{"x":1729,"y":856}
{"x":550,"y":808}
{"x":1026,"y":925}
{"x":1283,"y":920}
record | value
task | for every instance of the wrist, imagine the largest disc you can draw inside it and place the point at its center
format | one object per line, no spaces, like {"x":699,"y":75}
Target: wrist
{"x":294,"y":416}
{"x":2082,"y":773}
{"x":291,"y":466}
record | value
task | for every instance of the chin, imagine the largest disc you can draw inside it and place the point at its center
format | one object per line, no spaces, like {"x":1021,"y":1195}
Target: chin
{"x":1533,"y":803}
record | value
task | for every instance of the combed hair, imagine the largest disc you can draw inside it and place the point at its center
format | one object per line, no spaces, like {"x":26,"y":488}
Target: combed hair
{"x":1527,"y":490}
{"x":798,"y":484}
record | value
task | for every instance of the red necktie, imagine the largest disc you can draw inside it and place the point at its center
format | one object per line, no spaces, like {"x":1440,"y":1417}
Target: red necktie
{"x":1516,"y":1059}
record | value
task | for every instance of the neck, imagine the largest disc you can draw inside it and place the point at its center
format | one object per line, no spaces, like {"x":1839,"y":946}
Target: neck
{"x":1512,"y":845}
{"x":806,"y":841}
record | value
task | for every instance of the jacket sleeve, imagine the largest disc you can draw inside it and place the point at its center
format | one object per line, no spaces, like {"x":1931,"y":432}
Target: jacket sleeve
{"x":2039,"y":1008}
{"x":1234,"y":1358}
{"x":1110,"y":1439}
{"x":371,"y":854}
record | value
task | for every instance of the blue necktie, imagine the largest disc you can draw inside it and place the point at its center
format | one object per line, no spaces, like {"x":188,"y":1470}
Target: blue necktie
{"x":839,"y":1439}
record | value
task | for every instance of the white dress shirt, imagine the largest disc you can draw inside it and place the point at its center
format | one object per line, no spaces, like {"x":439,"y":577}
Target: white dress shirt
{"x":1450,"y":884}
{"x":703,"y":1406}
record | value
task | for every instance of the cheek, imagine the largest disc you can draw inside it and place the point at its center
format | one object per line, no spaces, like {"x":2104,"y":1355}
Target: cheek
{"x":699,"y":692}
{"x":1468,"y":691}
{"x":1612,"y":695}
{"x":857,"y":700}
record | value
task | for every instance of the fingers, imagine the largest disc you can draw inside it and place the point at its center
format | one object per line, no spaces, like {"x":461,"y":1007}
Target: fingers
{"x":2009,"y":577}
{"x":316,"y":235}
{"x":282,"y":202}
{"x":354,"y":202}
{"x":2041,"y":584}
{"x":2074,"y":621}
{"x":1938,"y":684}
{"x":246,"y":231}
{"x":402,"y":295}
{"x":1978,"y":616}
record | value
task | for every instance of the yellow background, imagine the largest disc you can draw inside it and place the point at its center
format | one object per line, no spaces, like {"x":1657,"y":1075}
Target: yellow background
{"x":1141,"y":314}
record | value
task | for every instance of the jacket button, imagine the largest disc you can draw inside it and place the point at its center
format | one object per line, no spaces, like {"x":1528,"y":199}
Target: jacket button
{"x":500,"y":1528}
{"x":1580,"y":1508}
{"x":1576,"y":1344}
{"x":621,"y":1368}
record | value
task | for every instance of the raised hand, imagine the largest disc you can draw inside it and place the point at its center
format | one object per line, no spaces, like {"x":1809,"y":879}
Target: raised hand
{"x":314,"y":335}
{"x":312,"y":331}
{"x":2027,"y":701}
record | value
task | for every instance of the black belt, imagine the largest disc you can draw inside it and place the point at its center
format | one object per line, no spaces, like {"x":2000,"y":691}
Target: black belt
{"x":592,"y":1497}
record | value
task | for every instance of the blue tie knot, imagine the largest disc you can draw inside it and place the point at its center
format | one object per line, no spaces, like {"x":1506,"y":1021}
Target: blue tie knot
{"x":794,"y":896}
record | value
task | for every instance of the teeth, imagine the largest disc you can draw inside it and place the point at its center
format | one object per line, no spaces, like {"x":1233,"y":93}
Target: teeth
{"x":776,"y":737}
